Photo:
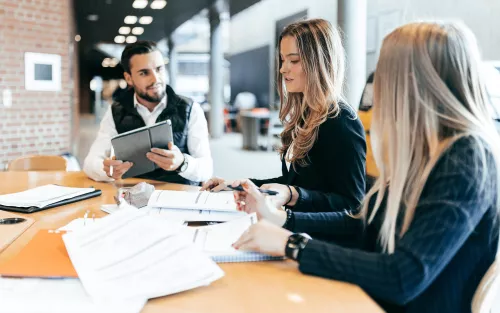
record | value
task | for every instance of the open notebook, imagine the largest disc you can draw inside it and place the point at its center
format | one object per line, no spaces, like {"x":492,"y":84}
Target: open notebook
{"x":193,"y":200}
{"x":44,"y":197}
{"x":216,"y":241}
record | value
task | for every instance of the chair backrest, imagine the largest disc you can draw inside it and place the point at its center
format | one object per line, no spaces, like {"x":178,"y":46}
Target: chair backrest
{"x":486,"y":292}
{"x":38,"y":163}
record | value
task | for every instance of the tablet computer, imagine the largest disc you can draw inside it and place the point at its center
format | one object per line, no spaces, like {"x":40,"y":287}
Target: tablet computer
{"x":133,"y":145}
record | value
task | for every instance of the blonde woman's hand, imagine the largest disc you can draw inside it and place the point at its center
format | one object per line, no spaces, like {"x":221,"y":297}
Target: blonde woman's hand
{"x":214,"y":184}
{"x":252,"y":200}
{"x":264,"y":237}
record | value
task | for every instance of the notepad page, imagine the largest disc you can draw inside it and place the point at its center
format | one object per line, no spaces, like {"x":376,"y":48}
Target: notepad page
{"x":42,"y":196}
{"x":216,"y":241}
{"x":220,"y":237}
{"x":201,"y":200}
{"x":130,"y":254}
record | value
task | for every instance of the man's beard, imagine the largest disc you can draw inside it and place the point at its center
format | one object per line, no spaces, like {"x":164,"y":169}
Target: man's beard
{"x":148,"y":98}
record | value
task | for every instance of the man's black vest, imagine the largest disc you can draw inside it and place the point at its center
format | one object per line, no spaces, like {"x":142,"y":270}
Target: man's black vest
{"x":178,"y":111}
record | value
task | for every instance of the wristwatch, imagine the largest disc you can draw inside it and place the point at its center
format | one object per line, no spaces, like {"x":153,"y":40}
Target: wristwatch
{"x":295,"y":244}
{"x":184,"y":165}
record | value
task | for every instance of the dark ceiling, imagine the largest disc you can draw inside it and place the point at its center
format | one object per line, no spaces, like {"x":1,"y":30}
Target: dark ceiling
{"x":111,"y":14}
{"x":110,"y":17}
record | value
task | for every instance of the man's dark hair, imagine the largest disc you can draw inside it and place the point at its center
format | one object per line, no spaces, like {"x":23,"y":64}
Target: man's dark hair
{"x":138,"y":47}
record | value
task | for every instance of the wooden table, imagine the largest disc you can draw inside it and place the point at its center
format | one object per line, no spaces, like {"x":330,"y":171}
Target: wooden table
{"x":246,"y":287}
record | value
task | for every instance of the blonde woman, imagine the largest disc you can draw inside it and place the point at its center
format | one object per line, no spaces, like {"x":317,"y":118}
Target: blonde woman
{"x":323,"y":145}
{"x":430,"y":224}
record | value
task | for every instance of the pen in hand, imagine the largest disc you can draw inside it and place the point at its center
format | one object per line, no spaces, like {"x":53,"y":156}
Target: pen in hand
{"x":266,"y":191}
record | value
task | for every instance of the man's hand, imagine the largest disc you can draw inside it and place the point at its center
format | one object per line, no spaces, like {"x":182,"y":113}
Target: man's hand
{"x":119,"y":167}
{"x":169,"y":160}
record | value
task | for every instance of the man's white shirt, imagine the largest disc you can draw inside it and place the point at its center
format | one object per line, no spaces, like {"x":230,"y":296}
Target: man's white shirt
{"x":200,"y":163}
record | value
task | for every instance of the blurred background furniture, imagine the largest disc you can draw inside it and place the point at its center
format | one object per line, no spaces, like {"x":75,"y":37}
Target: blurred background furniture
{"x":38,"y":163}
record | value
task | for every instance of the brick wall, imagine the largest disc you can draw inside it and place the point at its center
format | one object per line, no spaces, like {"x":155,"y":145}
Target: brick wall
{"x":38,"y":122}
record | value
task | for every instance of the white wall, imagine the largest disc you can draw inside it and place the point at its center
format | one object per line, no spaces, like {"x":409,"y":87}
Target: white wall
{"x":255,"y":26}
{"x":481,"y":16}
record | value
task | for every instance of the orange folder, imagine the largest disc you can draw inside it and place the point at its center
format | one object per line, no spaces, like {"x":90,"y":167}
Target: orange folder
{"x":44,"y":256}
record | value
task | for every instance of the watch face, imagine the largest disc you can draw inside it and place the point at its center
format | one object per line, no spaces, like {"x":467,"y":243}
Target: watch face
{"x":184,"y":167}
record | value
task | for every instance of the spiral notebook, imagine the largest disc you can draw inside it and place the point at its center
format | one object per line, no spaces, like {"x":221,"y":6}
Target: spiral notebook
{"x":244,"y":256}
{"x":216,"y":241}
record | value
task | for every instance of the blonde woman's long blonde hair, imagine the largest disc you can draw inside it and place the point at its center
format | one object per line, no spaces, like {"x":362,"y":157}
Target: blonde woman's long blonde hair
{"x":322,"y":58}
{"x":428,"y":93}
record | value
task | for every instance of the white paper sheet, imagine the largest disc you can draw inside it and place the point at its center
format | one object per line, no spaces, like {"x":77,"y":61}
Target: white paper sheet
{"x":220,"y":237}
{"x":130,"y":254}
{"x":37,"y":295}
{"x":78,"y":223}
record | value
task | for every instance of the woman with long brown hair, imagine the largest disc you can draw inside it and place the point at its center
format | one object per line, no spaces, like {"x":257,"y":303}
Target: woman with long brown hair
{"x":323,"y":145}
{"x":429,"y":226}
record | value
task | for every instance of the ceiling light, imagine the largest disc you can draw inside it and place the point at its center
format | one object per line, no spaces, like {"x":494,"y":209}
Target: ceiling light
{"x":131,"y":39}
{"x":92,"y":17}
{"x":137,"y":30}
{"x":130,"y":19}
{"x":140,"y":4}
{"x":120,"y":39}
{"x":123,"y":84}
{"x":145,"y":20}
{"x":158,"y":4}
{"x":93,"y":84}
{"x":78,"y":38}
{"x":124,"y":30}
{"x":113,"y":62}
{"x":106,"y":62}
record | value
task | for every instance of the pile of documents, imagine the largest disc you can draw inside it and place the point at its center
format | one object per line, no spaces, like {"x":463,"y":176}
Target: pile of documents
{"x":131,"y":255}
{"x":121,"y":260}
{"x":127,"y":257}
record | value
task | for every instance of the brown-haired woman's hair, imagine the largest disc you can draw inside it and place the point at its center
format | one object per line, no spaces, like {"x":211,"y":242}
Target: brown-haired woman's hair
{"x":322,"y":58}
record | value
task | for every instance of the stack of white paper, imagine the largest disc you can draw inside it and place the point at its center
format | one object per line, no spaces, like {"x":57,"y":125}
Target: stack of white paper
{"x":132,"y":255}
{"x":42,"y":196}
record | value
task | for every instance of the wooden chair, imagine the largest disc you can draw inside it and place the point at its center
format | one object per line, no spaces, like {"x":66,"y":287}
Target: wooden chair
{"x":487,"y":291}
{"x":38,"y":163}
